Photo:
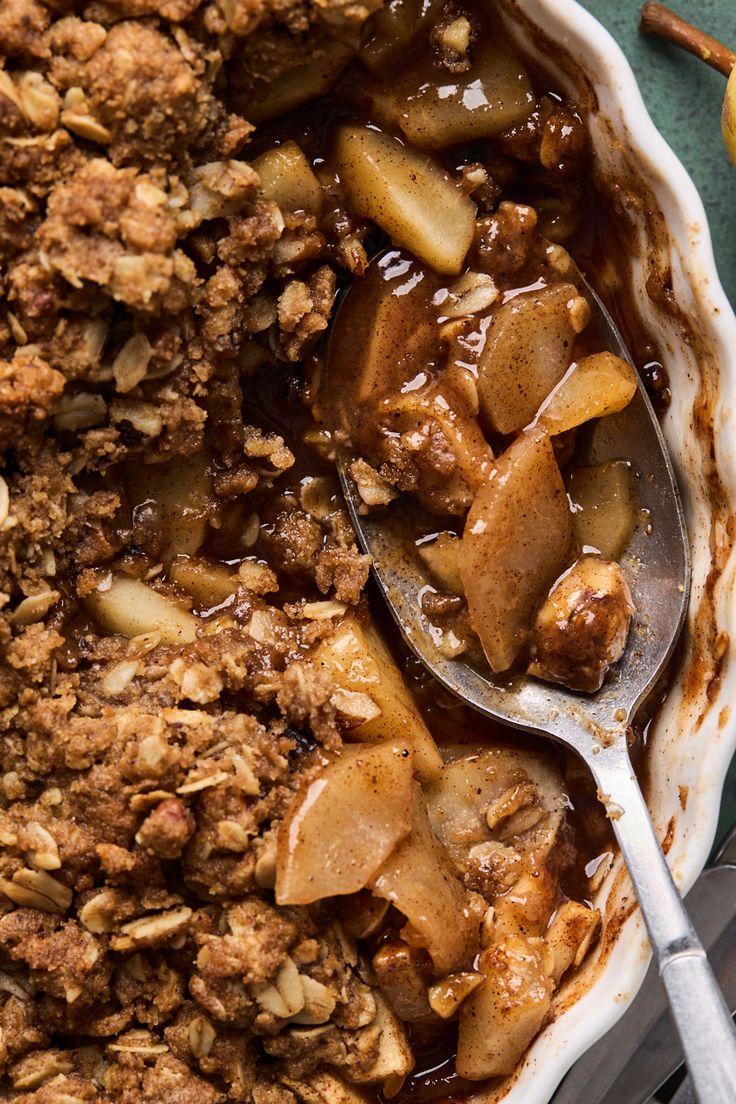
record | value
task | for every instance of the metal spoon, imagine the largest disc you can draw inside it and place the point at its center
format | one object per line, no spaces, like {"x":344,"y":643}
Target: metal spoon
{"x":596,"y":726}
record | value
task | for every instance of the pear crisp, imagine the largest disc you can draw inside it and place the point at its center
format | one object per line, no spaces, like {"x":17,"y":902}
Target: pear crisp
{"x":248,"y":851}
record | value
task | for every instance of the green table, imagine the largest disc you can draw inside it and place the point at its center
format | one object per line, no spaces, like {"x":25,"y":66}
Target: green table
{"x":684,"y":98}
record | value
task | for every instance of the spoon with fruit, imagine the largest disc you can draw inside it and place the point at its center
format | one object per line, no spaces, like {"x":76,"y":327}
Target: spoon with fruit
{"x":461,"y":446}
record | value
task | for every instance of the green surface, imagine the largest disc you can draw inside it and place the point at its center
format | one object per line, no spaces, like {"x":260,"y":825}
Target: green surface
{"x":684,"y":98}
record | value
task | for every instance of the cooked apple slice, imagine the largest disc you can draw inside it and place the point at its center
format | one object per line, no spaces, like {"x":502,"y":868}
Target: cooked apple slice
{"x":604,"y":507}
{"x":344,"y":824}
{"x":528,"y":349}
{"x":357,"y":659}
{"x":417,"y":879}
{"x":407,"y":194}
{"x":288,"y":179}
{"x":516,"y":542}
{"x":592,"y":387}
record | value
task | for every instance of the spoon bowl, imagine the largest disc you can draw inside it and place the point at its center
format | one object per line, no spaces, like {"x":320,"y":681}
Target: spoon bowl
{"x":656,"y":564}
{"x":596,"y":726}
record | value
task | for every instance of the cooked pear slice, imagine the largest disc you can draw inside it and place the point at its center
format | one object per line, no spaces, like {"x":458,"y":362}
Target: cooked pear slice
{"x":393,"y":27}
{"x":407,"y":194}
{"x":345,"y":824}
{"x":130,"y":607}
{"x":384,"y":335}
{"x":502,"y":1016}
{"x":181,"y":493}
{"x":592,"y":387}
{"x":604,"y":507}
{"x":495,"y":93}
{"x":208,"y":583}
{"x":517,"y":541}
{"x":357,"y":659}
{"x":441,"y":557}
{"x":418,"y":880}
{"x":288,"y":179}
{"x":528,"y":349}
{"x":300,"y":84}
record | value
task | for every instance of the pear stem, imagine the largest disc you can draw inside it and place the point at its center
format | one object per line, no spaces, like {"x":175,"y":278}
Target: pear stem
{"x":659,"y":21}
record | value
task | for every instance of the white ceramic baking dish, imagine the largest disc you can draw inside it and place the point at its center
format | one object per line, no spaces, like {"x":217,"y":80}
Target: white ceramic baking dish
{"x":685,"y":310}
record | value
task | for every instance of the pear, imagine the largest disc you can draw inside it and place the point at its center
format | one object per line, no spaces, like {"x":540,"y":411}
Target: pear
{"x":728,"y":116}
{"x":659,"y":21}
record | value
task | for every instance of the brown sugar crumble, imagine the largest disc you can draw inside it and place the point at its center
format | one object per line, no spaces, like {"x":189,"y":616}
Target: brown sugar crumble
{"x":187,"y":645}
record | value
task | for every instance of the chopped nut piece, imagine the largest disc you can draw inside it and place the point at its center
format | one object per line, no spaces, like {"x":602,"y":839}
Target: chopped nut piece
{"x":198,"y":683}
{"x":167,"y":828}
{"x":579,"y":311}
{"x":231,"y":836}
{"x":265,"y":871}
{"x":372,"y":488}
{"x":456,"y":36}
{"x":220,"y":188}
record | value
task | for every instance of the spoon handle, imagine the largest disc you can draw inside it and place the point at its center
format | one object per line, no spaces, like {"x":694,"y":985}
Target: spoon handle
{"x":696,"y":1003}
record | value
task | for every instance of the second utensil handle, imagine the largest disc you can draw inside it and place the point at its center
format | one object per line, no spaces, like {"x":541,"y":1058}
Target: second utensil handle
{"x":696,"y":1001}
{"x":698,"y":1008}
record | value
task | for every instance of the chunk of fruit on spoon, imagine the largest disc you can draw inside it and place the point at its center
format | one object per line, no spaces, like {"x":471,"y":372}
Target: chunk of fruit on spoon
{"x":517,"y":541}
{"x":659,"y":21}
